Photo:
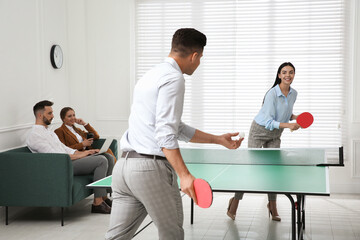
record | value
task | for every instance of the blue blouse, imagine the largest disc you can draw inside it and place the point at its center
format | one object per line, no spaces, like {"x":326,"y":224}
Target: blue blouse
{"x":276,"y":108}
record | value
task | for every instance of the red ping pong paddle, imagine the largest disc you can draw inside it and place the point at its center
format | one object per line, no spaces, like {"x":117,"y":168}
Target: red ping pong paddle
{"x":305,"y":119}
{"x":203,"y":193}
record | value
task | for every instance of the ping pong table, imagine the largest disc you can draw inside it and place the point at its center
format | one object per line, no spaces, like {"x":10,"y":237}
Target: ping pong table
{"x":291,"y":171}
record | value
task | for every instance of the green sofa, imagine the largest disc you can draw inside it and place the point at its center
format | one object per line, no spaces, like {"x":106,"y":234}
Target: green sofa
{"x":42,"y":179}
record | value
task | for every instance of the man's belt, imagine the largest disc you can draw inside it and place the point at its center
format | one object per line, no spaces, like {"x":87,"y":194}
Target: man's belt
{"x":133,"y":154}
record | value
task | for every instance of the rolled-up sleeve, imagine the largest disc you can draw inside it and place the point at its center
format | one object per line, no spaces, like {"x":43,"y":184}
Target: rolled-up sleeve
{"x":186,"y":132}
{"x":69,"y":150}
{"x":169,"y":109}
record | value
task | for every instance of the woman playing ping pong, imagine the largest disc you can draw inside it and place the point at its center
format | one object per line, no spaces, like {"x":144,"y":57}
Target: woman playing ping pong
{"x":268,"y":125}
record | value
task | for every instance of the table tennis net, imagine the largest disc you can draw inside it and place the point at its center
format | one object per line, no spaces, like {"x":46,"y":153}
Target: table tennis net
{"x":263,"y":156}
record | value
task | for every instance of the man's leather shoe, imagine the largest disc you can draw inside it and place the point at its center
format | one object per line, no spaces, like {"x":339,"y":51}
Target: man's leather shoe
{"x":108,"y":202}
{"x":102,"y":208}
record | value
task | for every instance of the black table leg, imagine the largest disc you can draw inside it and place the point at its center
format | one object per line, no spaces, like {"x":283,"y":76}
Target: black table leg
{"x":299,"y":204}
{"x":62,"y":216}
{"x":6,"y":215}
{"x":303,"y":212}
{"x":192,"y":212}
{"x":300,"y":215}
{"x":293,"y":216}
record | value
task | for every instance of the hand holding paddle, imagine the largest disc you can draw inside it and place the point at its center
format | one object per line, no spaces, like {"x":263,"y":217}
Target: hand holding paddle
{"x":187,"y":186}
{"x":305,"y":119}
{"x":200,"y":191}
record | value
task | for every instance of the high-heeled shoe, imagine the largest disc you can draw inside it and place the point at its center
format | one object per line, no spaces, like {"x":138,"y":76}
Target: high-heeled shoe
{"x":232,"y":216}
{"x":274,"y":217}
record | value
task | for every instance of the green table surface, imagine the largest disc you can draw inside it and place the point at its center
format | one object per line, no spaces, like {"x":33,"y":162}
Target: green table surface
{"x":290,"y":170}
{"x":309,"y":180}
{"x":102,"y":183}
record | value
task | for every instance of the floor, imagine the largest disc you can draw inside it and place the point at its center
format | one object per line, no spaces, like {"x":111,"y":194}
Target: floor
{"x":328,"y":218}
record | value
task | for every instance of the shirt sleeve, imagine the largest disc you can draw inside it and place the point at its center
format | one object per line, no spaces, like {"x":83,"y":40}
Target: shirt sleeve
{"x":169,"y":109}
{"x":270,"y":111}
{"x":67,"y":149}
{"x":186,"y":132}
{"x":90,"y":129}
{"x":39,"y":144}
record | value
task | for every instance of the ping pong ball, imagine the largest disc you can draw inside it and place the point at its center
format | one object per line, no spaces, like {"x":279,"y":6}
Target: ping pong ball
{"x":242,"y":135}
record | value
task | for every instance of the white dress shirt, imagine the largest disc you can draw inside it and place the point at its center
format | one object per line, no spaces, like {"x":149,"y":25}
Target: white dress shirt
{"x":79,"y":138}
{"x":155,"y":118}
{"x":43,"y":140}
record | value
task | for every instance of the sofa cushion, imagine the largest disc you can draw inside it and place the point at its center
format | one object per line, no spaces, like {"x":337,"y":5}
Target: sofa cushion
{"x":20,"y":150}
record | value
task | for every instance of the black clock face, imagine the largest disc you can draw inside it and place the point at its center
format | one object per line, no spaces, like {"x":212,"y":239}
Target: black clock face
{"x":56,"y":56}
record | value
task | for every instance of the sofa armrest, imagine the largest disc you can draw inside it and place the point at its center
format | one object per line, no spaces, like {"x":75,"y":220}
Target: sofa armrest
{"x":35,"y":179}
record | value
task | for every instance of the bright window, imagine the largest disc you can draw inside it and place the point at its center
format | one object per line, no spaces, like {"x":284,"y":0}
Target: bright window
{"x":247,"y":41}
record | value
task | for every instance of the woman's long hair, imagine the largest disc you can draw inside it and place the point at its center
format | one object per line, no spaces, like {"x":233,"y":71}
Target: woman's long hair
{"x":277,"y":79}
{"x":64,"y":111}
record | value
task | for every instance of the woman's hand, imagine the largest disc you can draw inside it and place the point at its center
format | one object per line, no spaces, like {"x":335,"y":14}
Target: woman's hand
{"x":80,"y":121}
{"x":293,"y":117}
{"x":294,"y":126}
{"x":88,"y":142}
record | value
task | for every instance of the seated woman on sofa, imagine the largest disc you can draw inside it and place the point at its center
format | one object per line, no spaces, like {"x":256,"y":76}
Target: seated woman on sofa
{"x":74,"y":137}
{"x":43,"y":140}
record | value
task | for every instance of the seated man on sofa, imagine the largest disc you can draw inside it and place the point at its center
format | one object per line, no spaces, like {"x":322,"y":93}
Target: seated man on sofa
{"x":43,"y":140}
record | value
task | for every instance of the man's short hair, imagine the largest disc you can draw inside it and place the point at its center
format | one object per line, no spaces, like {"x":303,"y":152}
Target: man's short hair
{"x":187,"y":40}
{"x":40,"y":106}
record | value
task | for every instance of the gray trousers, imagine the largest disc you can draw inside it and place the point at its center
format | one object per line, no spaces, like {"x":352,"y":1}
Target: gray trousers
{"x":145,"y":186}
{"x":100,"y":165}
{"x":260,"y":137}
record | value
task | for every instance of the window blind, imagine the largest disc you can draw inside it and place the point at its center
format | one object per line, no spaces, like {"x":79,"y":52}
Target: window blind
{"x":247,"y":42}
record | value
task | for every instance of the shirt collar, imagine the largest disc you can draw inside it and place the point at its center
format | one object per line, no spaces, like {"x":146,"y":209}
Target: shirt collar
{"x":173,"y":63}
{"x":69,"y":127}
{"x":40,"y":126}
{"x":279,"y":92}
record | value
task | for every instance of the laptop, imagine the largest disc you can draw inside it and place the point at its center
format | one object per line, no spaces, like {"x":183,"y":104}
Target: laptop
{"x":105,"y":146}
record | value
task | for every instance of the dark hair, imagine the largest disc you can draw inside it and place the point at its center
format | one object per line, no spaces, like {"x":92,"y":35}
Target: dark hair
{"x":187,"y":40}
{"x":277,"y":79}
{"x":40,"y":106}
{"x":64,"y":111}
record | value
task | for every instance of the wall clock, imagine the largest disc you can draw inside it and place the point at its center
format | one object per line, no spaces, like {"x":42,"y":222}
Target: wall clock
{"x":56,"y":56}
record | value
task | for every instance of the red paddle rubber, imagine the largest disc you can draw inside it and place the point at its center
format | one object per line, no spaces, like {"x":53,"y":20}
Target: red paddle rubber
{"x":305,"y":119}
{"x":203,"y":193}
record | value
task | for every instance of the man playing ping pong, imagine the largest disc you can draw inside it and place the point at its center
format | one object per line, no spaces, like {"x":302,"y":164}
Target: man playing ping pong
{"x":144,"y":180}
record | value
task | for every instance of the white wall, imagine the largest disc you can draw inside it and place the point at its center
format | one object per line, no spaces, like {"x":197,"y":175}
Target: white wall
{"x":99,"y":44}
{"x":28,"y":30}
{"x":347,"y":179}
{"x":96,"y":78}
